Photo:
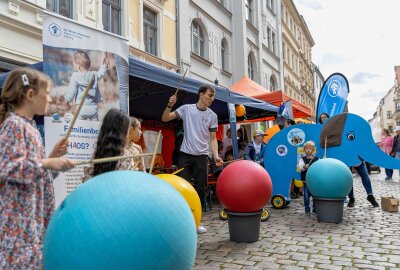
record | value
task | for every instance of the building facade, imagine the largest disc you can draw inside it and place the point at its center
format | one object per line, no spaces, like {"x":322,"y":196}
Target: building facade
{"x":386,"y":112}
{"x":153,"y":32}
{"x":375,"y":128}
{"x":318,"y":81}
{"x":206,"y":40}
{"x":21,"y":25}
{"x":225,"y":40}
{"x":149,"y":25}
{"x":297,"y":43}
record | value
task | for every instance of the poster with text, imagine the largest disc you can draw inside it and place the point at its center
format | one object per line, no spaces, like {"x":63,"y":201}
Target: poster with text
{"x":73,"y":55}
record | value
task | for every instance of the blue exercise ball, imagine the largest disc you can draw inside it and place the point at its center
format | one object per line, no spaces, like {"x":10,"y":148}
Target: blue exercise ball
{"x":121,"y":220}
{"x":329,"y":178}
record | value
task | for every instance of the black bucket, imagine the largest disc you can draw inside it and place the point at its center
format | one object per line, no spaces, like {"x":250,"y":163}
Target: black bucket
{"x":244,"y":227}
{"x":329,"y":210}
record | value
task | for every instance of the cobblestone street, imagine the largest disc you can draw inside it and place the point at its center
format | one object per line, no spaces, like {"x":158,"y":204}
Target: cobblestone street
{"x":368,"y":238}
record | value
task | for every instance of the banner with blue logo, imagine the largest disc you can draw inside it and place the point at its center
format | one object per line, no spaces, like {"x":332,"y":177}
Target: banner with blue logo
{"x":232,"y":122}
{"x":333,"y":96}
{"x":73,"y":54}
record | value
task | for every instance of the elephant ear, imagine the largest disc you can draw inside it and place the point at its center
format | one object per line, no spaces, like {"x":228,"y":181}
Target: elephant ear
{"x":333,"y":131}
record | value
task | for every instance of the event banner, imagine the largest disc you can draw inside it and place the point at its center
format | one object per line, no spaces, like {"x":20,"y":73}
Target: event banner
{"x":73,"y":55}
{"x":333,"y":96}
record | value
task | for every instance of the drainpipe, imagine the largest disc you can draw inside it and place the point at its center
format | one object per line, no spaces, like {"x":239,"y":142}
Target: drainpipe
{"x":178,"y":46}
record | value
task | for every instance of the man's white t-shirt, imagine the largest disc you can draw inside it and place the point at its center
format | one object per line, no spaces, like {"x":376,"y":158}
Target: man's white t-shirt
{"x":197,"y":126}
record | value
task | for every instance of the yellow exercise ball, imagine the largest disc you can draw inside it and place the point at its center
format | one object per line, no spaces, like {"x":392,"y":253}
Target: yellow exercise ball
{"x":187,"y":191}
{"x":240,"y":110}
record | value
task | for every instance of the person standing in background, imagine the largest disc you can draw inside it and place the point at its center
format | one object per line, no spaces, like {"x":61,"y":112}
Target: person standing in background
{"x":386,"y":146}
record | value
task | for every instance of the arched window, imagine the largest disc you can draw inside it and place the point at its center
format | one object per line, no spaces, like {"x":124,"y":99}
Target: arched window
{"x":224,"y":54}
{"x":272,"y":83}
{"x":197,"y":39}
{"x":250,"y":67}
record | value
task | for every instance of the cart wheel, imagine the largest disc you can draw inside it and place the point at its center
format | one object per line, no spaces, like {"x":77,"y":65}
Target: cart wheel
{"x":265,"y":215}
{"x":223,"y":215}
{"x":278,"y":201}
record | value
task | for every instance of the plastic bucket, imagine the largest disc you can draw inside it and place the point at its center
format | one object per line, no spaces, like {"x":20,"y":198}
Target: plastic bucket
{"x":244,"y":227}
{"x":329,"y":210}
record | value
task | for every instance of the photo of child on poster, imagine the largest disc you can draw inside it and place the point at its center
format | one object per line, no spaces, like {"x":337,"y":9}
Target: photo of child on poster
{"x":71,"y":71}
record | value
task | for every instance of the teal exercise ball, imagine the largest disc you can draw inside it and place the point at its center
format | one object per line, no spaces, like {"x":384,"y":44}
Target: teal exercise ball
{"x":329,"y":178}
{"x":121,"y":220}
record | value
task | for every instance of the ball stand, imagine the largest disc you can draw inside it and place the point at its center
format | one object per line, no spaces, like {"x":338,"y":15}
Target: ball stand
{"x":244,"y":227}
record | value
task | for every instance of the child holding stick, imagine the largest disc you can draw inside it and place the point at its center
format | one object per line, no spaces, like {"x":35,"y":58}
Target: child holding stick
{"x":304,"y":164}
{"x":112,"y":142}
{"x":26,"y":185}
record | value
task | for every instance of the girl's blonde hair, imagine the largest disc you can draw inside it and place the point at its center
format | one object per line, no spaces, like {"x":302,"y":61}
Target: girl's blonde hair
{"x":309,"y":143}
{"x":16,"y":86}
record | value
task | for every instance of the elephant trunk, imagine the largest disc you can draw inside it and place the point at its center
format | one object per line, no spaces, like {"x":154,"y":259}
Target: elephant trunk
{"x":379,"y":158}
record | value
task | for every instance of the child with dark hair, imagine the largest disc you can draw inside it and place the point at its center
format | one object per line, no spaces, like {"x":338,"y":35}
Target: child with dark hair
{"x":323,"y":117}
{"x":112,"y":141}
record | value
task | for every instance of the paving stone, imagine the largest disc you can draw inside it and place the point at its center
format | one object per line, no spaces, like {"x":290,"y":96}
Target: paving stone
{"x":368,"y":238}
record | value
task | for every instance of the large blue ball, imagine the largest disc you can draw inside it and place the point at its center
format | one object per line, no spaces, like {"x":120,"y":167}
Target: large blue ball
{"x":122,"y":220}
{"x":329,"y":178}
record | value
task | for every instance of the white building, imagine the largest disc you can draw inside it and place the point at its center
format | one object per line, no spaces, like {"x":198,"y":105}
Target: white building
{"x":226,"y":40}
{"x":318,"y":80}
{"x":375,"y":128}
{"x":387,"y":112}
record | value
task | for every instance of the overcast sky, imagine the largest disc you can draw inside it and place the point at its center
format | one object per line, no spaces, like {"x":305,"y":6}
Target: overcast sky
{"x":360,"y":39}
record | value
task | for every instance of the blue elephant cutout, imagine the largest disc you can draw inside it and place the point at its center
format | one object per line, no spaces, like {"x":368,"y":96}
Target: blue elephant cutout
{"x":348,"y":138}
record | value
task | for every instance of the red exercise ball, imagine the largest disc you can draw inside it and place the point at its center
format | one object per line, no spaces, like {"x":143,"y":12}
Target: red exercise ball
{"x":244,"y":186}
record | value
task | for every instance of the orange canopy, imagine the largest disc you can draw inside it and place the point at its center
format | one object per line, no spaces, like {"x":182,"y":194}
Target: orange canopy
{"x":248,"y":87}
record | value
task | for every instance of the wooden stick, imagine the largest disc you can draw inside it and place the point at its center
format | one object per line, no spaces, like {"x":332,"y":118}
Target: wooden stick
{"x":155,"y":152}
{"x":180,"y":83}
{"x":227,"y":162}
{"x":178,"y":171}
{"x":79,"y":107}
{"x":109,"y":159}
{"x":325,"y":148}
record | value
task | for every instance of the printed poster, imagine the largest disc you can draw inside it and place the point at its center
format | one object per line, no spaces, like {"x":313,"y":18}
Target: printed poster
{"x":74,"y":54}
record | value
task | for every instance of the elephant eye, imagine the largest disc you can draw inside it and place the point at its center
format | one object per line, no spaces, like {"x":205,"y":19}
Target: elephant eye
{"x":351,"y":136}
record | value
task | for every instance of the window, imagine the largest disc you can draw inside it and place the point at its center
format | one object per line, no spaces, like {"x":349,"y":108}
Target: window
{"x":273,"y":42}
{"x":283,"y":51}
{"x":250,"y":68}
{"x":224,"y":55}
{"x":271,"y":5}
{"x":197,"y":39}
{"x":272,"y":84}
{"x":397,"y":106}
{"x":112,"y":16}
{"x":62,"y":7}
{"x":150,"y":31}
{"x":269,"y":37}
{"x":249,"y":15}
{"x":389,"y":114}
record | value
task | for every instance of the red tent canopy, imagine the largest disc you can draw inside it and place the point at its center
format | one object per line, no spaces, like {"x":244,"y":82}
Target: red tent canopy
{"x":248,"y":87}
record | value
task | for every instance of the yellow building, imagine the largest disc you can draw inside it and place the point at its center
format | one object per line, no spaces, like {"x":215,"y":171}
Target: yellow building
{"x":153,"y":33}
{"x":297,"y":43}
